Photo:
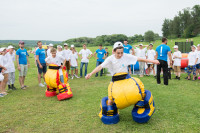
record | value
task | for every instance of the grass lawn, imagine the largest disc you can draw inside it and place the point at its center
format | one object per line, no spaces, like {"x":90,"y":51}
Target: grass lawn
{"x":177,"y":107}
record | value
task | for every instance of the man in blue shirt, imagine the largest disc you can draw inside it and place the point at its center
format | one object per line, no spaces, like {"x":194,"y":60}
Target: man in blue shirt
{"x":100,"y":58}
{"x":41,"y":64}
{"x":127,"y":49}
{"x":22,"y":60}
{"x":162,"y":53}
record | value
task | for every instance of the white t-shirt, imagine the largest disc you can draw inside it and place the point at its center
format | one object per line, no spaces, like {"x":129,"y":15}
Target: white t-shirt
{"x":119,"y":65}
{"x":48,"y":52}
{"x":6,"y":61}
{"x":151,"y":55}
{"x":141,"y":52}
{"x":198,"y":55}
{"x":57,"y":60}
{"x":61,"y":53}
{"x":67,"y":54}
{"x":192,"y":56}
{"x":177,"y":61}
{"x":73,"y":59}
{"x":11,"y":62}
{"x":85,"y":54}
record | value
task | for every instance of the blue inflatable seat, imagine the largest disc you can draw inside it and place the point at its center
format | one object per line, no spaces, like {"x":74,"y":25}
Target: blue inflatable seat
{"x":144,"y":109}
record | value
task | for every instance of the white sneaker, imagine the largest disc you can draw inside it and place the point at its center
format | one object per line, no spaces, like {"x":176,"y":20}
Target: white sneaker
{"x":41,"y":85}
{"x":45,"y":83}
{"x":76,"y":76}
{"x":72,"y":77}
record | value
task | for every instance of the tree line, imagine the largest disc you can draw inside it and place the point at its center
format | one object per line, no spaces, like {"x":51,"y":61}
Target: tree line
{"x":185,"y":24}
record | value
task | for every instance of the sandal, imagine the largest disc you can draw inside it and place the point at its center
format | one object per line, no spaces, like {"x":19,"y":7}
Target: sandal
{"x":23,"y":88}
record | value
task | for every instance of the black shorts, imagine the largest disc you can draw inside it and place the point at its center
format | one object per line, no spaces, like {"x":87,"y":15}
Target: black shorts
{"x":43,"y":69}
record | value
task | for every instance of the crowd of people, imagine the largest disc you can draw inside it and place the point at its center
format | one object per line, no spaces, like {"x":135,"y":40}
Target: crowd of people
{"x":67,"y":56}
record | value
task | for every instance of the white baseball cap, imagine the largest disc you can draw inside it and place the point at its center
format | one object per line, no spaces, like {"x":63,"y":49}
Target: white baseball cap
{"x":117,"y":44}
{"x":151,"y":44}
{"x":198,"y":45}
{"x":59,"y":46}
{"x":9,"y":47}
{"x":194,"y":46}
{"x":72,"y":46}
{"x":51,"y":45}
{"x":140,"y":44}
{"x":65,"y":44}
{"x":175,"y":46}
{"x":2,"y":49}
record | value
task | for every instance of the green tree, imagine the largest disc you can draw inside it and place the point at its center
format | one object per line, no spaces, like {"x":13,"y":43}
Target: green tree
{"x":149,"y":36}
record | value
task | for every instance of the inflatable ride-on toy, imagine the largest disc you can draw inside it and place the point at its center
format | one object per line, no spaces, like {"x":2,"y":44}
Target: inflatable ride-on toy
{"x":125,"y":91}
{"x":54,"y":86}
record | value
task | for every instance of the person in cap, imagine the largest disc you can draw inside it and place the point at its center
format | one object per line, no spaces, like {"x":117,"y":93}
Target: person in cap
{"x":192,"y":61}
{"x":41,"y":63}
{"x":100,"y":58}
{"x":151,"y":53}
{"x":73,"y":59}
{"x":60,"y":51}
{"x":162,"y":53}
{"x":177,"y":62}
{"x":49,"y":50}
{"x":118,"y":62}
{"x":198,"y":62}
{"x":127,"y":49}
{"x":141,"y":52}
{"x":85,"y":54}
{"x":66,"y":53}
{"x":6,"y":63}
{"x":11,"y":75}
{"x":22,"y":63}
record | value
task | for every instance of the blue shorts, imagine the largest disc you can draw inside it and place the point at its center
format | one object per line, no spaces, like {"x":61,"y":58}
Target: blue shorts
{"x":43,"y":69}
{"x":192,"y":69}
{"x":198,"y":66}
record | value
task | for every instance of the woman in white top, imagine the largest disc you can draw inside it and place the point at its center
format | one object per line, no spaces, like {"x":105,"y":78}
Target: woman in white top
{"x":60,"y":51}
{"x":73,"y":59}
{"x":11,"y":74}
{"x":177,"y":62}
{"x":141,"y":52}
{"x":192,"y":60}
{"x":118,"y":62}
{"x":151,"y":56}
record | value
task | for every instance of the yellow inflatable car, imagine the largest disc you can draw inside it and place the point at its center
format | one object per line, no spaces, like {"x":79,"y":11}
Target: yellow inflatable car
{"x":54,"y":86}
{"x":125,"y":91}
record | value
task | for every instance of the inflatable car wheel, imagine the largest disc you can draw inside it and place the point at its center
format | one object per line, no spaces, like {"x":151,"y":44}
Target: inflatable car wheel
{"x":144,"y":109}
{"x":106,"y":117}
{"x":50,"y":92}
{"x":64,"y":92}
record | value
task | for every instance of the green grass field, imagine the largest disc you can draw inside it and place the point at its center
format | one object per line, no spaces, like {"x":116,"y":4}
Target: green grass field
{"x":177,"y":106}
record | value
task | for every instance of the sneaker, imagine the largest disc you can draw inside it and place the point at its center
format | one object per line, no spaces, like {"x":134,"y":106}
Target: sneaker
{"x":41,"y":85}
{"x":2,"y":95}
{"x":72,"y":77}
{"x":76,"y":76}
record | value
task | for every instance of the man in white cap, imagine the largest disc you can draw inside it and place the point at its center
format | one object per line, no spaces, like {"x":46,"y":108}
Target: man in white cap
{"x":141,"y":52}
{"x":151,"y":53}
{"x":49,"y":50}
{"x":117,"y":63}
{"x":67,"y":53}
{"x":11,"y":74}
{"x":177,"y":62}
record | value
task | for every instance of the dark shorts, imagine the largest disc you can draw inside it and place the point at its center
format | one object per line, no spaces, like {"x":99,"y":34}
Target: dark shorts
{"x":67,"y":65}
{"x":198,"y":66}
{"x":150,"y":65}
{"x":43,"y":69}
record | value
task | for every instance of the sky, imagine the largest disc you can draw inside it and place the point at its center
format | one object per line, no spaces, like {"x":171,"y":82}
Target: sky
{"x":60,"y":20}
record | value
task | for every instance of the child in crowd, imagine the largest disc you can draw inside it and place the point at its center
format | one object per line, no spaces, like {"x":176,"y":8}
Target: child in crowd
{"x":5,"y":62}
{"x":2,"y":69}
{"x":193,"y":58}
{"x":58,"y":60}
{"x":151,"y":56}
{"x":11,"y":74}
{"x":73,"y":59}
{"x":60,"y":51}
{"x":177,"y":62}
{"x":169,"y":67}
{"x":198,"y":62}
